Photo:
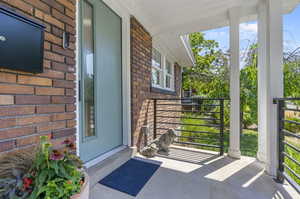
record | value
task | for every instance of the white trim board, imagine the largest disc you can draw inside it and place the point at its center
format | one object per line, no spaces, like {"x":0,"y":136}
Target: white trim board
{"x":77,"y":78}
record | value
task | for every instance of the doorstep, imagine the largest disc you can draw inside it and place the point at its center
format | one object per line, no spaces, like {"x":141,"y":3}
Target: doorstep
{"x":105,"y":167}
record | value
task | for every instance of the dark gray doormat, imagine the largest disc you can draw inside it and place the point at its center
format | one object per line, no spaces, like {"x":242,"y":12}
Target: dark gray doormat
{"x":131,"y":177}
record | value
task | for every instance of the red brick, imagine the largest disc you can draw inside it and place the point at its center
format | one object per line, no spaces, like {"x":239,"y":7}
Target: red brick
{"x":71,"y":30}
{"x":6,"y":123}
{"x":67,"y":4}
{"x":63,"y":84}
{"x":70,"y":76}
{"x":72,"y":44}
{"x":50,"y":109}
{"x":70,"y":107}
{"x":54,"y":4}
{"x":16,"y":132}
{"x":63,"y":133}
{"x":52,"y":74}
{"x":32,"y":80}
{"x":62,"y":100}
{"x":70,"y":92}
{"x":72,"y":38}
{"x":8,"y":78}
{"x":47,"y":64}
{"x":70,"y":61}
{"x":39,"y":14}
{"x":63,"y":17}
{"x":40,"y":5}
{"x":51,"y":126}
{"x":7,"y":145}
{"x":20,"y":5}
{"x":53,"y":39}
{"x":6,"y":99}
{"x":28,"y":99}
{"x":63,"y":116}
{"x":71,"y":123}
{"x":27,"y":140}
{"x":49,"y":91}
{"x":15,"y":89}
{"x":5,"y":70}
{"x":60,"y":67}
{"x":57,"y":32}
{"x":70,"y":13}
{"x":16,"y":110}
{"x":33,"y":120}
{"x":54,"y":56}
{"x":53,"y":21}
{"x":65,"y":52}
{"x":47,"y":45}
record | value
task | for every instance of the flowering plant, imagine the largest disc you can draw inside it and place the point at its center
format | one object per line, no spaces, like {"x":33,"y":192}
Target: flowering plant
{"x":56,"y":173}
{"x":50,"y":174}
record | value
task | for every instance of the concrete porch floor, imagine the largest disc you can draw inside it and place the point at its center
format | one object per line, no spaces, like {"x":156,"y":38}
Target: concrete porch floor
{"x":195,"y":174}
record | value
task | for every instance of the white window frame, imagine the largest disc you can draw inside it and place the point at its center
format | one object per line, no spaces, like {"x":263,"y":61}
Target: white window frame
{"x":170,"y":75}
{"x":157,"y":68}
{"x":163,"y":72}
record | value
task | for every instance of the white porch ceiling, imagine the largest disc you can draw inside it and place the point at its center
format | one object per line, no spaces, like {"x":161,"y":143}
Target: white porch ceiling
{"x":167,"y":20}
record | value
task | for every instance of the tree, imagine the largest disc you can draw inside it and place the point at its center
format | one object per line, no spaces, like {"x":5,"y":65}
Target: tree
{"x":248,"y":81}
{"x":210,"y":76}
{"x":292,"y":78}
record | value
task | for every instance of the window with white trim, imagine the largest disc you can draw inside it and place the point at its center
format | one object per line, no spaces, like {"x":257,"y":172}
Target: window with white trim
{"x":162,"y":71}
{"x":169,"y":75}
{"x":157,"y":69}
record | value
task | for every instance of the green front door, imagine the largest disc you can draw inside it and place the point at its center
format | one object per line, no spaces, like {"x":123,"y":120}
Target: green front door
{"x":100,"y":79}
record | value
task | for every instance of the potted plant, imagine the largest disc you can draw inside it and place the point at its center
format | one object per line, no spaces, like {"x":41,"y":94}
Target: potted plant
{"x":49,"y":174}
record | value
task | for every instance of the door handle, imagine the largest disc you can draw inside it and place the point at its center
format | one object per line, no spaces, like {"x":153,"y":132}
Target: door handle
{"x":79,"y":90}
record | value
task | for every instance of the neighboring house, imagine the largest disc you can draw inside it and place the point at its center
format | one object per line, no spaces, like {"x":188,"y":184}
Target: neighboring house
{"x":98,"y":91}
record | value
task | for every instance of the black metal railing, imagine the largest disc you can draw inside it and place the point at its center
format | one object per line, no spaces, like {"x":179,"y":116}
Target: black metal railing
{"x":199,"y":122}
{"x":289,"y":140}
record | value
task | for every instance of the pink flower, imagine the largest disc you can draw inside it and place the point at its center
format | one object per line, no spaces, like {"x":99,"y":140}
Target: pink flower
{"x":69,"y":144}
{"x":56,"y":155}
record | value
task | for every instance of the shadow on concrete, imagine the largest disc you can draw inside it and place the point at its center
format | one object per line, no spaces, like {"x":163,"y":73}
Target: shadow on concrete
{"x":191,"y":174}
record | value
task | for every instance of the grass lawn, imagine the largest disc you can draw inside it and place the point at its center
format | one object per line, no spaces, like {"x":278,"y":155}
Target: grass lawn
{"x":249,"y":141}
{"x":296,"y":156}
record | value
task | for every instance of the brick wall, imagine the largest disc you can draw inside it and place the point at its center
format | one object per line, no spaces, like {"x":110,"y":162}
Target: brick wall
{"x":32,"y":105}
{"x":141,"y":91}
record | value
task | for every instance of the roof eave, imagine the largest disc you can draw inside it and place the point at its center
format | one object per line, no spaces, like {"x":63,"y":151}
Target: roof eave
{"x":187,"y":45}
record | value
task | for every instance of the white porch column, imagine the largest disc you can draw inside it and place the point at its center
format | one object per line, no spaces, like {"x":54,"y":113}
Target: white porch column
{"x":270,"y":79}
{"x":234,"y":140}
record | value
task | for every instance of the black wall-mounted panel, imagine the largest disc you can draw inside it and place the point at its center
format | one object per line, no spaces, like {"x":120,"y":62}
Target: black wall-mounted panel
{"x":21,"y":42}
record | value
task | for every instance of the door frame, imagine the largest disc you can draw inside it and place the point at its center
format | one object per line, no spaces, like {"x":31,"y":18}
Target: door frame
{"x":126,"y":87}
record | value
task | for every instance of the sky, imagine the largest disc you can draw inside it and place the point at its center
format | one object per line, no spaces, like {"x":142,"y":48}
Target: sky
{"x":248,"y":33}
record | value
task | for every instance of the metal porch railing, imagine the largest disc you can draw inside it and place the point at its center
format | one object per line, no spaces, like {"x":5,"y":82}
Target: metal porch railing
{"x":198,"y":122}
{"x":289,"y":140}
